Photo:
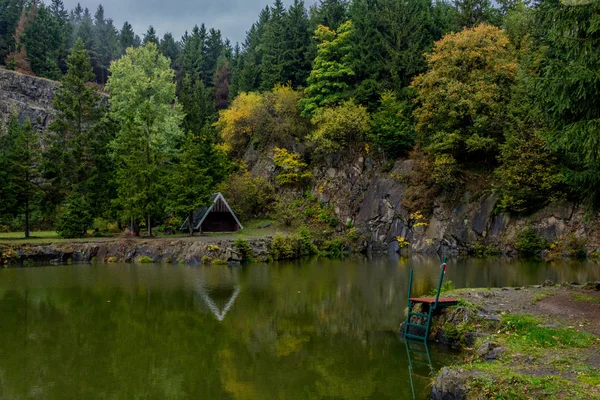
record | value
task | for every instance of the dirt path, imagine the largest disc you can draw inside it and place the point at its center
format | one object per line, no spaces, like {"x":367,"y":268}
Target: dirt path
{"x":562,"y":305}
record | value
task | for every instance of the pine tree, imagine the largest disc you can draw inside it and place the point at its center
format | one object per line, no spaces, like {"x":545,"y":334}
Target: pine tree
{"x":106,"y":44}
{"x":329,"y":80}
{"x":191,"y":183}
{"x":331,"y":13}
{"x":297,"y":49}
{"x":20,"y":151}
{"x":212,"y":51}
{"x":76,"y":14}
{"x":42,"y":40}
{"x":150,"y":36}
{"x":127,"y":37}
{"x":10,"y":11}
{"x":568,"y":89}
{"x":273,"y":42}
{"x":70,"y":160}
{"x":251,"y":62}
{"x":471,"y":13}
{"x":169,"y":48}
{"x":85,"y":31}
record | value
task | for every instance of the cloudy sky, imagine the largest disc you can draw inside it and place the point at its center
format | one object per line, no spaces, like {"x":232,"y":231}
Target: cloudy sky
{"x":232,"y":17}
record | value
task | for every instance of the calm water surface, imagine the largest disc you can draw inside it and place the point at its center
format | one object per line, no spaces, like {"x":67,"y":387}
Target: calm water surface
{"x":306,"y":330}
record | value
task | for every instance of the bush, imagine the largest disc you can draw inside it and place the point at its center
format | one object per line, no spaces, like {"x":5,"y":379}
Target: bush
{"x":530,"y":243}
{"x":105,"y":227}
{"x":334,"y":248}
{"x":248,"y":196}
{"x":145,"y":260}
{"x":75,"y":218}
{"x":308,"y":248}
{"x":288,"y":209}
{"x":445,"y":171}
{"x":284,"y":247}
{"x":244,"y":248}
{"x":339,"y":127}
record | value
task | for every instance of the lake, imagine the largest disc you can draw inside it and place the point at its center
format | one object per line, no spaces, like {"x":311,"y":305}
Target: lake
{"x":305,"y":330}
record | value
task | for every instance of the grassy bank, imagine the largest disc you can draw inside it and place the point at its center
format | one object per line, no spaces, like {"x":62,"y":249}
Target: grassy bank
{"x":526,"y":343}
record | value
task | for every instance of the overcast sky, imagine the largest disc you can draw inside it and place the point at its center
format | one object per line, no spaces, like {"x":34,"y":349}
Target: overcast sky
{"x":232,"y":17}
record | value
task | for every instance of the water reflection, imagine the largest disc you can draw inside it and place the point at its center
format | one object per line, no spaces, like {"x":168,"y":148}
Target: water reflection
{"x":419,"y":363}
{"x":292,"y":330}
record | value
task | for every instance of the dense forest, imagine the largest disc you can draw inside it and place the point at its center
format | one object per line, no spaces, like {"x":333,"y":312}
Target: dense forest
{"x":147,"y":128}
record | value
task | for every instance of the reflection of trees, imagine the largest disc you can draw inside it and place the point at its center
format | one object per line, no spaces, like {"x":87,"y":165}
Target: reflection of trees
{"x":310,"y":330}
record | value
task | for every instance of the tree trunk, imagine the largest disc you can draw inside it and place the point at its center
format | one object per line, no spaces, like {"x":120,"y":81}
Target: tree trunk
{"x":27,"y":219}
{"x":191,"y":223}
{"x":149,"y":226}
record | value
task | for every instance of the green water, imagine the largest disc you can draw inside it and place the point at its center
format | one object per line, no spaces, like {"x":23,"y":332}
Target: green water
{"x":306,"y":330}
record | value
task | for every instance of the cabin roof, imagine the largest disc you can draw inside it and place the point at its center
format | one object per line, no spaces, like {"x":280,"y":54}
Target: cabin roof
{"x":201,"y":214}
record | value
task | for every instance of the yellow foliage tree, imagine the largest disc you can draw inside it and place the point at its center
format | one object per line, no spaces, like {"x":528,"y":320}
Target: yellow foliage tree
{"x":241,"y":120}
{"x":294,"y":171}
{"x":462,"y":99}
{"x":265,"y":118}
{"x":338,"y":127}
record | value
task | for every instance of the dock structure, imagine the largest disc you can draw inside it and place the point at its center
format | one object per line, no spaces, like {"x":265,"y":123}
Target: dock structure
{"x":421,"y":321}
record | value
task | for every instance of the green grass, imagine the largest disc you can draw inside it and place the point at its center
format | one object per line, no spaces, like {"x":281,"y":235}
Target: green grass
{"x":585,"y":298}
{"x":502,"y":383}
{"x":34,"y":235}
{"x":525,"y":331}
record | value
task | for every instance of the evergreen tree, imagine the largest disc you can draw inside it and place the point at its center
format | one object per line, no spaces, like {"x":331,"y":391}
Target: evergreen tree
{"x":273,"y":44}
{"x":331,"y":13}
{"x":568,"y":89}
{"x":193,"y":50}
{"x":127,"y":37}
{"x":329,"y":80}
{"x":42,"y":39}
{"x":20,"y":162}
{"x":169,"y":48}
{"x":471,"y":13}
{"x":251,"y":62}
{"x":191,"y":183}
{"x":106,"y":44}
{"x":211,"y":53}
{"x":75,"y":145}
{"x":76,"y":14}
{"x":297,"y":50}
{"x":143,"y":104}
{"x":10,"y":12}
{"x":61,"y":16}
{"x":150,"y":36}
{"x":390,"y":38}
{"x":85,"y":31}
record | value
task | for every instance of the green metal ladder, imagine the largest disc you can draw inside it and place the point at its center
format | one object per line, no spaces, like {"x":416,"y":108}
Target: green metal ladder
{"x":422,"y":326}
{"x":417,"y":357}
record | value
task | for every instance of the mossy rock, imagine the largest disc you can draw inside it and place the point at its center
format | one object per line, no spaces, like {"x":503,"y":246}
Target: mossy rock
{"x":218,"y":261}
{"x":145,"y":260}
{"x":206,"y":260}
{"x":112,"y":259}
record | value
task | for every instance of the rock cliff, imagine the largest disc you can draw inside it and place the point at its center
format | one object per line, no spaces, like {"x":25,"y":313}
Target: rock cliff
{"x":372,"y":200}
{"x":27,"y":97}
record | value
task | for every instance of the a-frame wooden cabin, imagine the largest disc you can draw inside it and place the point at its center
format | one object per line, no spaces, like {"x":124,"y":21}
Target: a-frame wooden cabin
{"x":216,"y":218}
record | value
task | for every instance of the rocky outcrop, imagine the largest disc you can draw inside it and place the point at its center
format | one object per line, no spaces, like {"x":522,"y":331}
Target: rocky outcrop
{"x":188,"y":251}
{"x":26,"y":96}
{"x":372,"y":200}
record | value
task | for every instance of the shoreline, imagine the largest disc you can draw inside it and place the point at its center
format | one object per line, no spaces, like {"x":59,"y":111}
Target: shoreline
{"x":540,"y":342}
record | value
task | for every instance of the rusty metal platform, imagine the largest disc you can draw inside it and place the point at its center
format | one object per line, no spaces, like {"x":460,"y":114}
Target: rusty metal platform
{"x":447,"y":301}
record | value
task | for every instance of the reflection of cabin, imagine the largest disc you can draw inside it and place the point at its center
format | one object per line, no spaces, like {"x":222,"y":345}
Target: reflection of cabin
{"x":215,"y":218}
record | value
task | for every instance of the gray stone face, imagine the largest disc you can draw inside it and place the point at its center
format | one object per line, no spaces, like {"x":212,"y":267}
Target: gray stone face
{"x":27,"y":97}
